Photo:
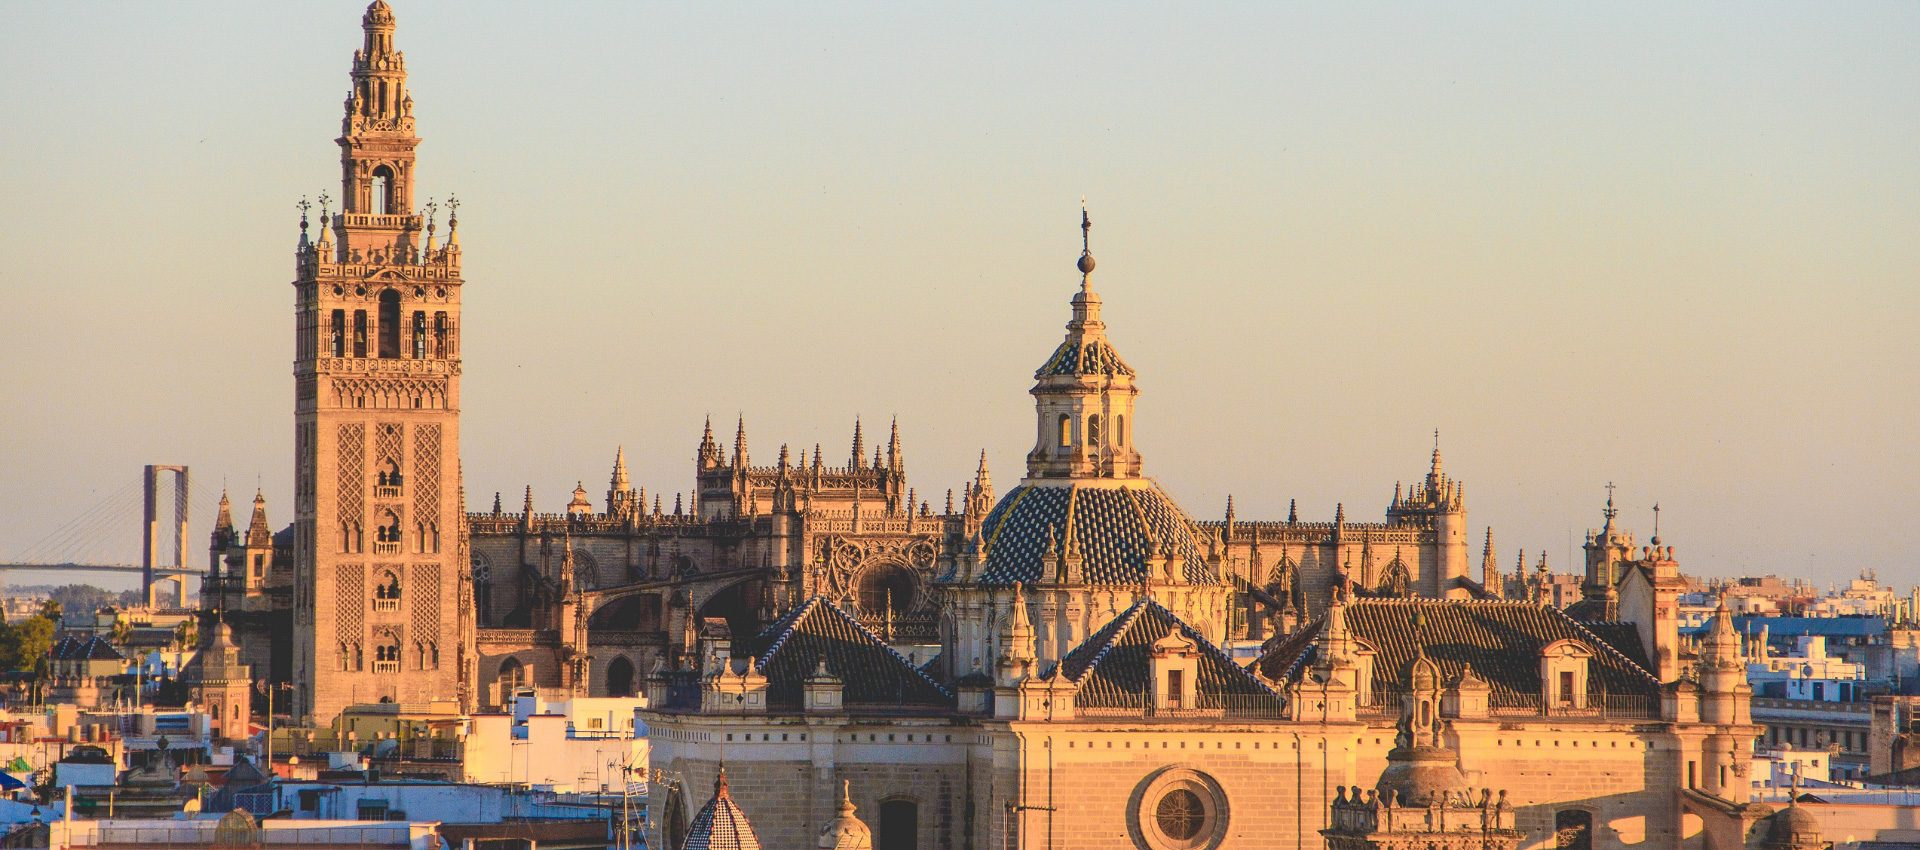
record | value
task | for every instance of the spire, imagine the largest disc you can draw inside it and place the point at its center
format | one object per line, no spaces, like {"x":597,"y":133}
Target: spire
{"x":894,"y":458}
{"x":620,"y":481}
{"x":1437,"y":472}
{"x":1084,"y":393}
{"x":1489,"y":570}
{"x":740,"y":442}
{"x":1293,"y":511}
{"x":1656,"y":524}
{"x":981,"y":477}
{"x":859,"y":446}
{"x":527,"y":506}
{"x":223,"y":522}
{"x":258,"y":534}
{"x":708,"y":455}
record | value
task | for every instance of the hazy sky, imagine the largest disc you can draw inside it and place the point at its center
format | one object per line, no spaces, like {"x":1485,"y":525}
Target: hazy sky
{"x":1668,"y":245}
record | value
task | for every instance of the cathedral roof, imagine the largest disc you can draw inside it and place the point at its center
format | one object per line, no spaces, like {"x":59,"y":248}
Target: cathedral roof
{"x":1115,"y":527}
{"x":1113,"y":666}
{"x":1502,"y":640}
{"x":791,"y":650}
{"x":721,"y":825}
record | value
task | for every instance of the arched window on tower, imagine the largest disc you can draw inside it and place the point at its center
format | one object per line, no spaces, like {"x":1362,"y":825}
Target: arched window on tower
{"x":390,"y":324}
{"x":439,"y":335}
{"x":359,"y":333}
{"x":386,"y":657}
{"x":380,"y":201}
{"x":386,"y":593}
{"x":1066,"y":431}
{"x":337,"y":334}
{"x":1093,"y":431}
{"x":419,"y":336}
{"x":1120,"y":429}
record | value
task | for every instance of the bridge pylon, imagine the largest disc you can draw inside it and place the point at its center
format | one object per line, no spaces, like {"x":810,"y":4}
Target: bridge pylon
{"x":172,"y":588}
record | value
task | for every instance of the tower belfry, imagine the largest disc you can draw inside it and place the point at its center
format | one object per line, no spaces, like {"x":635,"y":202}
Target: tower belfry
{"x":380,"y":541}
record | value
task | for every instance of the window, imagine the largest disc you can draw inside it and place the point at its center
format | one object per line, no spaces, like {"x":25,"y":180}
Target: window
{"x":419,"y":335}
{"x":899,"y":825}
{"x":1573,"y":829}
{"x":1566,"y":687}
{"x":386,"y":535}
{"x":1120,"y":429}
{"x":359,"y":333}
{"x":1066,"y":430}
{"x":1176,"y":688}
{"x":1180,"y":814}
{"x":386,"y":594}
{"x":337,"y":334}
{"x":886,"y":590}
{"x":1093,"y":430}
{"x":439,"y":334}
{"x":390,"y":324}
{"x":381,"y":191}
{"x":386,"y":658}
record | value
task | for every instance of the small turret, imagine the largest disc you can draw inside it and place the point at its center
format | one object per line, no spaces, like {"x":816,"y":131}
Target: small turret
{"x":259,"y":536}
{"x":859,"y":447}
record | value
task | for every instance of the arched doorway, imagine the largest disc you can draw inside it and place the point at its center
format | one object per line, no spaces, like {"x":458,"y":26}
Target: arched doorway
{"x":620,"y":678}
{"x":899,"y":825}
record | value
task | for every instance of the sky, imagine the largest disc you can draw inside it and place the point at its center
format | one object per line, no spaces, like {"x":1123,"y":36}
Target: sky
{"x":1668,"y":246}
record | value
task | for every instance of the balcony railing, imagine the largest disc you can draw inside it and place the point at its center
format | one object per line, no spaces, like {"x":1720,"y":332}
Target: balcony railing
{"x":1211,"y":707}
{"x":386,"y":604}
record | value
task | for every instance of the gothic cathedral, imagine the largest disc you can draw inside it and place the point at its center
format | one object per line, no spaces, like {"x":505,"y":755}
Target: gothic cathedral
{"x":380,"y":558}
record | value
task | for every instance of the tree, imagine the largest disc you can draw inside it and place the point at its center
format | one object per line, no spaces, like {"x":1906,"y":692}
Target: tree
{"x":52,"y":609}
{"x":25,"y":646}
{"x":122,"y":631}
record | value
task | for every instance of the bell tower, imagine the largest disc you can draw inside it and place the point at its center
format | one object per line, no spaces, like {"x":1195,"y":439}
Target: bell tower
{"x":380,"y":543}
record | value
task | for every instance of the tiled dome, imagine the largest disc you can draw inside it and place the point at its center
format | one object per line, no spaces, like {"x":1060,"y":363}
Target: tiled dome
{"x":721,"y":825}
{"x":1116,"y":529}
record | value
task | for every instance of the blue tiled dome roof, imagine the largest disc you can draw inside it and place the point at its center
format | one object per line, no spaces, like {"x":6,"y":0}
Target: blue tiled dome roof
{"x":1093,"y":356}
{"x":1117,"y":529}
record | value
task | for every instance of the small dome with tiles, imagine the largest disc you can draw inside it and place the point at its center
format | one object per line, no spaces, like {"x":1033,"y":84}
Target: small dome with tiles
{"x":721,"y":825}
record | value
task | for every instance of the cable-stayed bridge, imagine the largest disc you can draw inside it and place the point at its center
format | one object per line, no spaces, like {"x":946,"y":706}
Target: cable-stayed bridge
{"x":127,"y":530}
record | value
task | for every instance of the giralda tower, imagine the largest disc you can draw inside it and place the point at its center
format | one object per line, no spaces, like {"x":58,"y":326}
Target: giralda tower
{"x":381,"y":600}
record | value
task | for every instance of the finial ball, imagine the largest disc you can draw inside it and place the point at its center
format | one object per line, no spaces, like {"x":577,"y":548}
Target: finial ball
{"x":1086,"y":263}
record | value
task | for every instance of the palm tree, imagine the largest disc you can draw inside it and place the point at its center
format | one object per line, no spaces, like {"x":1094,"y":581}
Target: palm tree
{"x":122,"y":632}
{"x":187,"y":635}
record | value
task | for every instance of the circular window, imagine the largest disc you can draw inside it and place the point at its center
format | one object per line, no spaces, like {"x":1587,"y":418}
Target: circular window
{"x":1180,"y":814}
{"x":1178,"y":809}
